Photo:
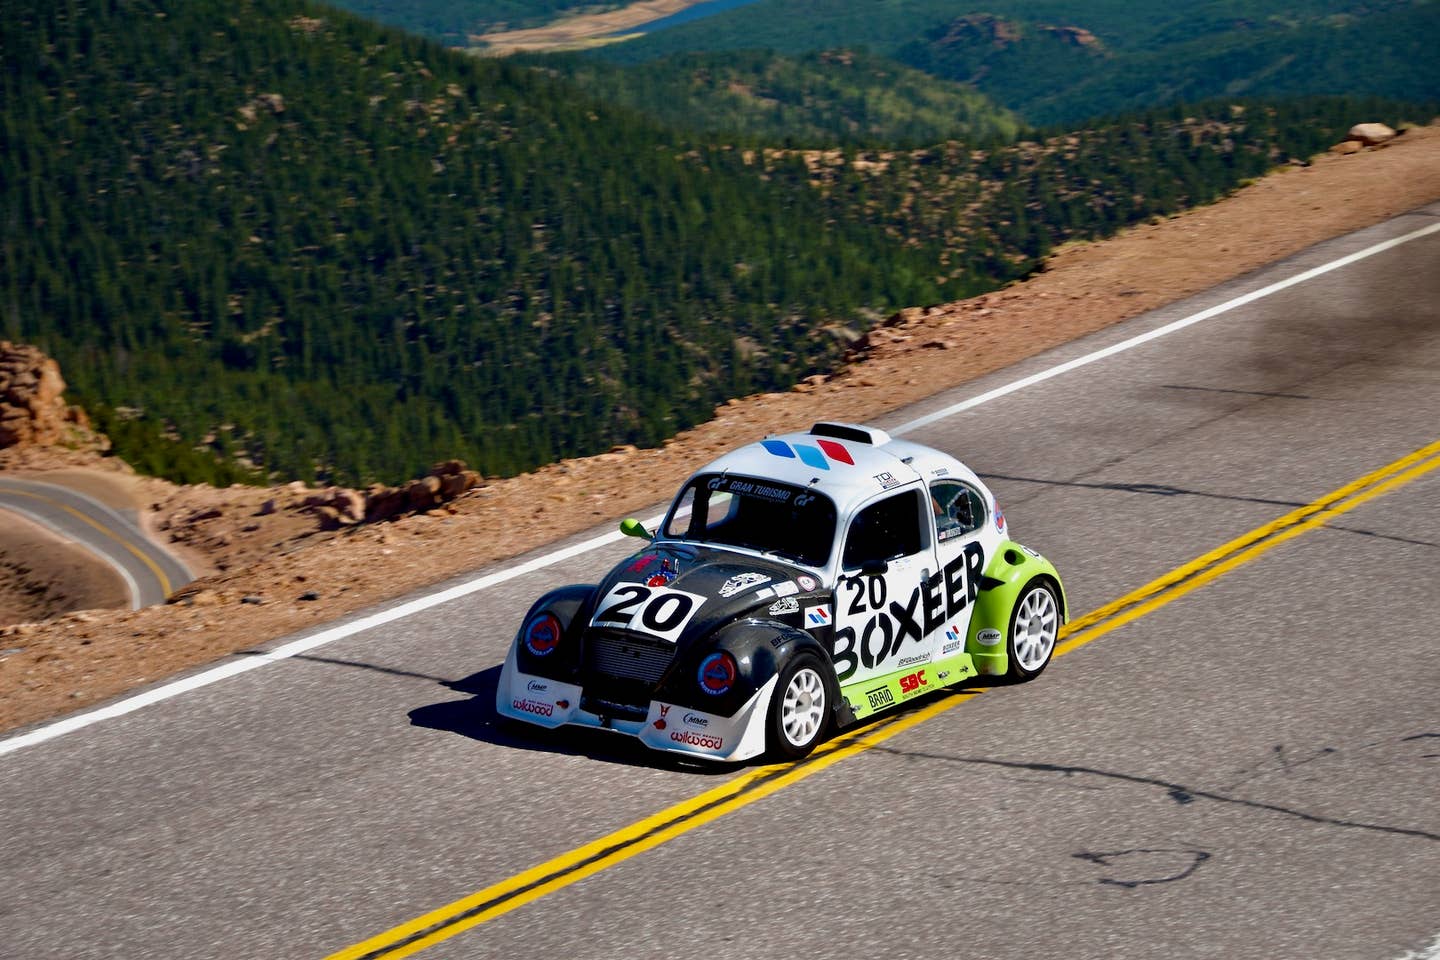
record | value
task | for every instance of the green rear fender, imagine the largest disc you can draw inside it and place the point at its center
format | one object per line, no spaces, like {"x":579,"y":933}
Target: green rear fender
{"x":1009,"y":571}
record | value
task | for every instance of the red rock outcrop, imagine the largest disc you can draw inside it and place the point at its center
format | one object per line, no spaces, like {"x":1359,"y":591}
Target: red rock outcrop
{"x":32,"y":406}
{"x":1364,"y":135}
{"x":341,"y":507}
{"x":1075,"y":36}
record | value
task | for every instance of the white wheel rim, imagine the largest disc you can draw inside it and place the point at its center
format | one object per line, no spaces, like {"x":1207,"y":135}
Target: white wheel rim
{"x":803,"y":709}
{"x":1037,"y":624}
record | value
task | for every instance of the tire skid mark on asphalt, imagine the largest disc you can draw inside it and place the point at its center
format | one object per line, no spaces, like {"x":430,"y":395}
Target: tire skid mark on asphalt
{"x":567,"y":868}
{"x":1242,"y":549}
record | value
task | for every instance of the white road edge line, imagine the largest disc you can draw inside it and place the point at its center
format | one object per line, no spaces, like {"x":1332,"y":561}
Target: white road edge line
{"x":1159,"y":332}
{"x":233,"y":667}
{"x":1432,"y":952}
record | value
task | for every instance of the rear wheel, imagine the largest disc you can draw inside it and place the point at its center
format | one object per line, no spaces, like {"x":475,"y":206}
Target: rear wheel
{"x":799,"y":708}
{"x":1034,"y":628}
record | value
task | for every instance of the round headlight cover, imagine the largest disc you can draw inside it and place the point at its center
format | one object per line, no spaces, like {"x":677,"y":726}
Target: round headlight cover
{"x":717,"y":673}
{"x":542,"y":634}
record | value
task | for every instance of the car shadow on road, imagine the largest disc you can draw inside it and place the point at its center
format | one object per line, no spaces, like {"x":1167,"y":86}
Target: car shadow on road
{"x":475,"y":717}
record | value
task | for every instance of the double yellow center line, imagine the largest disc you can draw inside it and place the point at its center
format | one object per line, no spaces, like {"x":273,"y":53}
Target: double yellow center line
{"x":567,"y":868}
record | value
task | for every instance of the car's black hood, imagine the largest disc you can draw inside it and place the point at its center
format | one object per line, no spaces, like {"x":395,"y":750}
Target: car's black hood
{"x":727,"y":586}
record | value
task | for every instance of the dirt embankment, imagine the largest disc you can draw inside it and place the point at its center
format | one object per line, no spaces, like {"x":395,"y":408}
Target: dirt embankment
{"x":279,"y":565}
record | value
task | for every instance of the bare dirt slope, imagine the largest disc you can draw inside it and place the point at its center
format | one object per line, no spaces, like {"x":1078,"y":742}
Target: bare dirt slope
{"x":275,"y":571}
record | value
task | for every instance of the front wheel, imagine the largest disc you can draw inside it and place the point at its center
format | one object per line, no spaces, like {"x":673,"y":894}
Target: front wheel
{"x":1034,"y":628}
{"x":799,"y":708}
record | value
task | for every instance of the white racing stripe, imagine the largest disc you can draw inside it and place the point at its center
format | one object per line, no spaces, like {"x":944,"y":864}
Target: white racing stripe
{"x":230,"y":668}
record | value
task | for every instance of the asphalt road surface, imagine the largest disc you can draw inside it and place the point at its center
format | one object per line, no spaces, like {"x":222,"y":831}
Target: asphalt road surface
{"x":1247,"y":766}
{"x":150,"y":572}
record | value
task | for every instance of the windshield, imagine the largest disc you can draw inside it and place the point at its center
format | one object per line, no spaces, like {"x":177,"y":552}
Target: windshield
{"x":790,"y":522}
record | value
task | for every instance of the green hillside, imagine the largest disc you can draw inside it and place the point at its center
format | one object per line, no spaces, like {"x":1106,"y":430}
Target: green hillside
{"x":344,"y":252}
{"x":816,"y":99}
{"x":1061,"y":62}
{"x":267,"y":232}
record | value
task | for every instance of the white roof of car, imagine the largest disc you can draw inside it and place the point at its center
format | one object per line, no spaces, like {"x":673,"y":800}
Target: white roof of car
{"x":847,"y":462}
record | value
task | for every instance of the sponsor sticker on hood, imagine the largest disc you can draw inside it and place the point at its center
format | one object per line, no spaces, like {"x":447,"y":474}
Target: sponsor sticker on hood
{"x":743,"y":581}
{"x":784,"y":606}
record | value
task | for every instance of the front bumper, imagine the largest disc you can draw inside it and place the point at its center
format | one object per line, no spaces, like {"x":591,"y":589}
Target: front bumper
{"x":667,"y":727}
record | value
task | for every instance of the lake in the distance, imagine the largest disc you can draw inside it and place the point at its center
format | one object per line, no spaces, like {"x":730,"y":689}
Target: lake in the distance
{"x":697,"y":12}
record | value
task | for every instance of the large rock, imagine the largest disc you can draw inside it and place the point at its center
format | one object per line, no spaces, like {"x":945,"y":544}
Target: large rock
{"x":1371,"y":134}
{"x":32,"y":405}
{"x":446,"y":481}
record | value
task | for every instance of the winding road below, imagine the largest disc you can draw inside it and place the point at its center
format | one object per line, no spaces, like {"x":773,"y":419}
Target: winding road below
{"x":150,"y":572}
{"x":1237,"y":754}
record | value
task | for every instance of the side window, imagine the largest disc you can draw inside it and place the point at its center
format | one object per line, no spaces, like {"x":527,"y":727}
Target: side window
{"x":680,"y":516}
{"x":958,"y":507}
{"x":885,"y":530}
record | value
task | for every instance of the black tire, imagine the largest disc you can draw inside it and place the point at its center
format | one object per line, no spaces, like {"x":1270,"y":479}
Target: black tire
{"x":800,"y":708}
{"x":1034,"y":630}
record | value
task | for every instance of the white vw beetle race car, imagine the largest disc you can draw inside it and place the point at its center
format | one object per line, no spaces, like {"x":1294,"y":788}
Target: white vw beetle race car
{"x":796,"y":585}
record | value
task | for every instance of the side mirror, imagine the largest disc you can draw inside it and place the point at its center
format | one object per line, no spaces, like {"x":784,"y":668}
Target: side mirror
{"x":875,"y":568}
{"x":634,"y":528}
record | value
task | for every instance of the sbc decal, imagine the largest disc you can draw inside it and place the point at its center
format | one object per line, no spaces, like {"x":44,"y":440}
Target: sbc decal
{"x":938,"y":598}
{"x":663,"y":612}
{"x":913,"y":683}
